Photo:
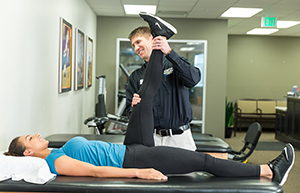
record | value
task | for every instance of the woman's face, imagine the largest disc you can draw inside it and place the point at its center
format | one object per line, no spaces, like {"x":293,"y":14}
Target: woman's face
{"x":34,"y":143}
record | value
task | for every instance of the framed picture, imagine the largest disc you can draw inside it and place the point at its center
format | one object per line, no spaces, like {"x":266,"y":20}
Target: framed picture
{"x":89,"y":60}
{"x":79,"y":60}
{"x":65,"y":56}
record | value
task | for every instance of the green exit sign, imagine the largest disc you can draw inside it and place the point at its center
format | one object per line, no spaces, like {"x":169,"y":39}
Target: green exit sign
{"x":268,"y":22}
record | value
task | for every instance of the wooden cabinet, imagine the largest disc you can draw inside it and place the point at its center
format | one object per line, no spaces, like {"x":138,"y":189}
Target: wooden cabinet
{"x":287,"y":127}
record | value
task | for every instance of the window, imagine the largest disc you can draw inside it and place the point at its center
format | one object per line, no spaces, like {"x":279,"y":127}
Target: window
{"x":194,"y":50}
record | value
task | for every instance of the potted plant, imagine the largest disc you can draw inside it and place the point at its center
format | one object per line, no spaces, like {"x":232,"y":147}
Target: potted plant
{"x":229,"y":119}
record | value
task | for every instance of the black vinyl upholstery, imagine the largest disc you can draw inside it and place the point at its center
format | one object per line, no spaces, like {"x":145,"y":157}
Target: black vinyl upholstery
{"x":204,"y":143}
{"x":208,"y":143}
{"x":58,"y":140}
{"x":191,"y":183}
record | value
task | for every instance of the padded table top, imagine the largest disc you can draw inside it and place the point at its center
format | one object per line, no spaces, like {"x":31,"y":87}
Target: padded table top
{"x":197,"y":182}
{"x":204,"y":143}
{"x":207,"y":143}
{"x":58,"y":140}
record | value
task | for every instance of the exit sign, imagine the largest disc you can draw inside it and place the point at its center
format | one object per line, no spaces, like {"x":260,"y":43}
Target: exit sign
{"x":268,"y":22}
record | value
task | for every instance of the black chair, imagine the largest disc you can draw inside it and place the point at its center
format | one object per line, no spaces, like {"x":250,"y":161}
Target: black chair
{"x":251,"y":139}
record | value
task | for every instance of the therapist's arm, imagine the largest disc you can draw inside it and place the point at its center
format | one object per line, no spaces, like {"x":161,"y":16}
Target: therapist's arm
{"x":65,"y":165}
{"x":189,"y":74}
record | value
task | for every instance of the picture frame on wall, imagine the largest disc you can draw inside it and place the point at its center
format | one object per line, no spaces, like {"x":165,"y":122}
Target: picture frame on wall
{"x":89,"y":62}
{"x":65,"y":56}
{"x":79,"y":60}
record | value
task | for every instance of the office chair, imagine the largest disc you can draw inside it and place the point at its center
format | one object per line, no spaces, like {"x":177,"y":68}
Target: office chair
{"x":251,"y":139}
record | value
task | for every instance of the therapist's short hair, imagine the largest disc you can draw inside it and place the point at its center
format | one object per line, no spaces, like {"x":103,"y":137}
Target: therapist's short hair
{"x":140,"y":31}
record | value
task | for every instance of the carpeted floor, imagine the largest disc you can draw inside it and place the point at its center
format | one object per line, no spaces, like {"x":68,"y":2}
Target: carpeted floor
{"x":265,"y":153}
{"x":271,"y":146}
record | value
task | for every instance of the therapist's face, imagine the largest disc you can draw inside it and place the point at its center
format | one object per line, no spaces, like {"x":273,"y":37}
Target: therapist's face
{"x":142,"y":46}
{"x":34,"y":143}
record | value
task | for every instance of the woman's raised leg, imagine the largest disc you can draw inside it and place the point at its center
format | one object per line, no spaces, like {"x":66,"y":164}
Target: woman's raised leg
{"x":141,"y":123}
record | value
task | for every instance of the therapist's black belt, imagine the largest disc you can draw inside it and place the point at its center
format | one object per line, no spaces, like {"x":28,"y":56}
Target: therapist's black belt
{"x":170,"y":132}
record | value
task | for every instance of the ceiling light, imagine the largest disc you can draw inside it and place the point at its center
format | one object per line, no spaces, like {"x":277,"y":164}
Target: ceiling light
{"x":187,"y":49}
{"x":136,"y":9}
{"x":241,"y":12}
{"x":262,"y":31}
{"x":286,"y":24}
{"x":165,"y":13}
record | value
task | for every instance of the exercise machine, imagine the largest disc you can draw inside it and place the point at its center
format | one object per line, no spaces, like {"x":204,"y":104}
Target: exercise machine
{"x":118,"y":123}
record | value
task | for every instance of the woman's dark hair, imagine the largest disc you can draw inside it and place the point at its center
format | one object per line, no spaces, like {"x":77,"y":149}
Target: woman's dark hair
{"x":15,"y":148}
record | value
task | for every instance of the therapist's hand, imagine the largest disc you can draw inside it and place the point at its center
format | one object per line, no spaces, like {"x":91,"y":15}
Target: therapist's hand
{"x":162,"y":44}
{"x":136,"y":99}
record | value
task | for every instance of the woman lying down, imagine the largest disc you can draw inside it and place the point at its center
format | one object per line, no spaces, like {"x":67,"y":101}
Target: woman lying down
{"x":138,"y":157}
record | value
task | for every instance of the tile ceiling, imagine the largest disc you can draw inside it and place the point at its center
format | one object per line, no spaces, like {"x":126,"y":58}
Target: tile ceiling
{"x":211,"y":9}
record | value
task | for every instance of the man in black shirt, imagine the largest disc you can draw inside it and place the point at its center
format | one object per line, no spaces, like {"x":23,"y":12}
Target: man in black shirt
{"x":171,"y":106}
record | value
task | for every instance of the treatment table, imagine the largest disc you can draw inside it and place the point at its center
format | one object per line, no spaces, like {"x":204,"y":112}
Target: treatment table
{"x":204,"y":143}
{"x":58,"y":140}
{"x":196,"y":182}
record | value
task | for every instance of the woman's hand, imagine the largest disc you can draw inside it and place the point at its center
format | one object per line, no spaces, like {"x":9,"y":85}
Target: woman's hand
{"x":150,"y":174}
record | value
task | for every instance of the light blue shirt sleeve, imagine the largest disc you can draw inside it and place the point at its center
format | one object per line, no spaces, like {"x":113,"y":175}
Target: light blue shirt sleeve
{"x":50,"y":159}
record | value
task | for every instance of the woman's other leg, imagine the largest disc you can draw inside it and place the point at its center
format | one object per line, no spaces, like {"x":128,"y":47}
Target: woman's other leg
{"x":169,"y":160}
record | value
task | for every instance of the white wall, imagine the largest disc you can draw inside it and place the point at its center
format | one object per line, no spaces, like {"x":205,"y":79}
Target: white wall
{"x":262,"y":66}
{"x":29,"y":56}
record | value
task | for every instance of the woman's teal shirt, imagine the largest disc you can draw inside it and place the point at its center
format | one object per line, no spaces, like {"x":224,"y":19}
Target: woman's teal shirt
{"x":97,"y":153}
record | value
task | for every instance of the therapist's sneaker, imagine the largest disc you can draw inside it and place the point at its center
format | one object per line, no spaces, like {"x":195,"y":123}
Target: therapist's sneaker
{"x":282,"y":165}
{"x":158,"y":26}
